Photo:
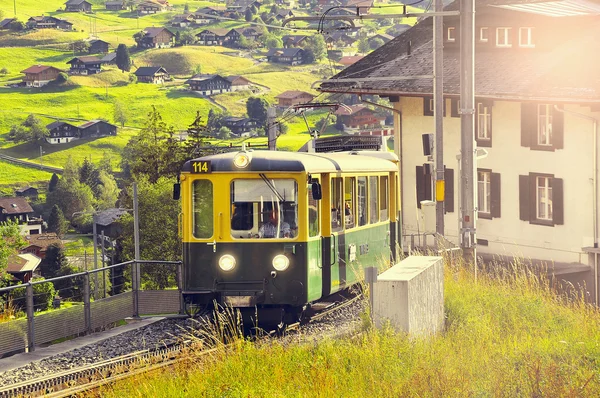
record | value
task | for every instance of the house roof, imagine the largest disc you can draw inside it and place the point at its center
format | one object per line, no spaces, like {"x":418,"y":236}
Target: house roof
{"x":283,"y":52}
{"x":87,"y":59}
{"x":16,"y":205}
{"x":98,"y":41}
{"x":153,"y":32}
{"x":149,"y":70}
{"x":5,"y":22}
{"x":35,"y":69}
{"x":233,"y":79}
{"x":383,"y":36}
{"x":93,"y":122}
{"x":290,"y":94}
{"x":25,"y":262}
{"x":204,"y":77}
{"x":350,"y":59}
{"x":57,"y":124}
{"x":293,"y":38}
{"x":109,"y":57}
{"x":25,"y":188}
{"x":235,"y":120}
{"x":43,"y":240}
{"x":556,"y":74}
{"x":216,"y":31}
{"x":114,"y":3}
{"x":76,"y":2}
{"x":109,"y":216}
{"x":352,"y":109}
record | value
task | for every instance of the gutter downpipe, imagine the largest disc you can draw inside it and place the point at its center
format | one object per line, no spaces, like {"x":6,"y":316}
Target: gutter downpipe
{"x":595,"y":188}
{"x":398,"y":151}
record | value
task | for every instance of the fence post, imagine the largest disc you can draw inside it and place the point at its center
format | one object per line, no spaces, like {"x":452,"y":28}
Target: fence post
{"x":135,"y":285}
{"x":87,"y":311}
{"x":180,"y":287}
{"x":30,"y":321}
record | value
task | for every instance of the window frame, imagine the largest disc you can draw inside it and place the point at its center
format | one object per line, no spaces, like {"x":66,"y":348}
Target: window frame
{"x":485,"y":213}
{"x":487,"y":34}
{"x":547,"y":188}
{"x":529,"y":198}
{"x":548,"y":119}
{"x":507,"y":37}
{"x":195,"y":202}
{"x":487,"y":117}
{"x":451,"y":34}
{"x":529,"y":36}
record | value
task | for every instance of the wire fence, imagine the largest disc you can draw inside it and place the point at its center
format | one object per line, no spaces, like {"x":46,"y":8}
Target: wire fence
{"x":44,"y":311}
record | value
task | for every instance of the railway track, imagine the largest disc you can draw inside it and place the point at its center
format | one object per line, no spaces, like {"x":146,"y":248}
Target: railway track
{"x":90,"y":378}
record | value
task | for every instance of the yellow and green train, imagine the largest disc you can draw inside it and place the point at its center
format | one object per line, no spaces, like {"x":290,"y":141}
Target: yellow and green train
{"x":276,"y":231}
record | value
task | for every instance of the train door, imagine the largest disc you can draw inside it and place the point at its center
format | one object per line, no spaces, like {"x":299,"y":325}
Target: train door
{"x":339,"y":218}
{"x":314,"y":242}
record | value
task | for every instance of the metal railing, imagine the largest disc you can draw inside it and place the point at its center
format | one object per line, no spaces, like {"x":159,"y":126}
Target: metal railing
{"x":43,"y":311}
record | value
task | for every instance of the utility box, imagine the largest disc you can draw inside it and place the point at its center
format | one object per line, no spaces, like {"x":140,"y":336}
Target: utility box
{"x":410,"y":296}
{"x":427,"y":216}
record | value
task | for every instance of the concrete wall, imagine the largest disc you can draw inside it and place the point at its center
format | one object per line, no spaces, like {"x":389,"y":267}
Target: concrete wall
{"x":410,"y":296}
{"x":508,"y":235}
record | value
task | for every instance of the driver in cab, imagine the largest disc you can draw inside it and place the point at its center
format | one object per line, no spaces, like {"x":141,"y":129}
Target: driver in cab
{"x":269,"y":229}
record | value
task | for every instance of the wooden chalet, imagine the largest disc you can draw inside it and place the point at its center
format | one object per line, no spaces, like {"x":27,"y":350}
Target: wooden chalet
{"x":115,"y":5}
{"x":240,"y":126}
{"x":40,"y":75}
{"x":251,"y":33}
{"x":382,"y":36}
{"x":27,"y":192}
{"x":294,"y":40}
{"x":339,"y":39}
{"x":38,"y":244}
{"x":86,"y":65}
{"x":107,"y":221}
{"x":22,"y":266}
{"x":98,"y":47}
{"x":239,"y":83}
{"x":157,"y":38}
{"x":283,"y":14}
{"x":5,"y":23}
{"x":293,"y":97}
{"x":209,"y":84}
{"x":212,"y":37}
{"x":78,"y":6}
{"x":48,"y":22}
{"x":17,"y":209}
{"x":290,"y":56}
{"x":152,"y":74}
{"x":358,"y":119}
{"x":96,"y":128}
{"x":183,"y":20}
{"x":110,"y":58}
{"x":61,"y":132}
{"x":151,"y":7}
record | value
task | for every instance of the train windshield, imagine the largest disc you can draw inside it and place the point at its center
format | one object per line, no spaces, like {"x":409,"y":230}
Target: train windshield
{"x":266,"y":208}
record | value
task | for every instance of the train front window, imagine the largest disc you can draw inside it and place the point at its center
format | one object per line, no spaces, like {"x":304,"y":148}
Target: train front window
{"x":202,"y":207}
{"x":266,"y":208}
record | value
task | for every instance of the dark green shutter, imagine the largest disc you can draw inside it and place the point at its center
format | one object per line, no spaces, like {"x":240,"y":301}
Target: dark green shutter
{"x":449,"y":190}
{"x":558,"y":216}
{"x":495,"y":194}
{"x":524,"y":198}
{"x":528,"y":124}
{"x":420,"y":185}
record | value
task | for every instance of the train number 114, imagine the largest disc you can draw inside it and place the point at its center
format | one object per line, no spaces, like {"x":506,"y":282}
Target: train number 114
{"x":201,"y":167}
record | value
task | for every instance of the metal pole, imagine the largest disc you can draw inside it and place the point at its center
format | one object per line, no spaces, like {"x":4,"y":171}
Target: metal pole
{"x":103,"y":265}
{"x":87,"y":313}
{"x":136,"y":265}
{"x":438,"y":105}
{"x":272,"y":128}
{"x":30,"y":320}
{"x":95,"y":255}
{"x":467,"y":111}
{"x":41,"y":154}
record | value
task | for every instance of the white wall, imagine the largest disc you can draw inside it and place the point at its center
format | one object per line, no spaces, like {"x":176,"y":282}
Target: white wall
{"x":509,"y":235}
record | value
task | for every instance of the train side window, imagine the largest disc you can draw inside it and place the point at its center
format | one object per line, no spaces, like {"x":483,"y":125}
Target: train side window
{"x":313,"y":214}
{"x":349,"y":200}
{"x":373,"y":200}
{"x":362,"y":201}
{"x":202,"y":208}
{"x":337,"y":204}
{"x":383,"y":198}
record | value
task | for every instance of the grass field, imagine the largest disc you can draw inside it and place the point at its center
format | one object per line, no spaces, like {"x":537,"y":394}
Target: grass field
{"x":508,"y":336}
{"x":13,"y":176}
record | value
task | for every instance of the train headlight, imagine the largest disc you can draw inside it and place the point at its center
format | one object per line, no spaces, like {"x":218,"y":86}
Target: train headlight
{"x":242,"y":160}
{"x":227,"y":262}
{"x":281,"y":262}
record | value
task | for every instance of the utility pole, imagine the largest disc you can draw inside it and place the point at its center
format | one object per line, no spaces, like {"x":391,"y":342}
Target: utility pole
{"x":438,"y":111}
{"x":103,"y":265}
{"x":15,"y":5}
{"x":272,"y":128}
{"x":136,"y":265}
{"x":41,"y":154}
{"x":94,"y":232}
{"x":467,"y":159}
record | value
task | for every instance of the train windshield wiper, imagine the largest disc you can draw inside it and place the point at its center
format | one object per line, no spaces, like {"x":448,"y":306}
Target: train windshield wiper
{"x":272,"y":187}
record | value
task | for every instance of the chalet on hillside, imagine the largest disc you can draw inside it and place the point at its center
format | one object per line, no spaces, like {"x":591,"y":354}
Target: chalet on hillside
{"x":183,"y":20}
{"x":115,"y":5}
{"x":364,"y":6}
{"x":240,"y":126}
{"x":110,"y":58}
{"x":38,"y":244}
{"x":212,"y":37}
{"x":339,"y":39}
{"x":107,"y":221}
{"x":85,"y":65}
{"x":205,"y":15}
{"x":151,"y":7}
{"x":96,"y":128}
{"x":209,"y":84}
{"x":283,"y":14}
{"x":157,"y":38}
{"x":152,"y":74}
{"x":61,"y":132}
{"x":47,"y":22}
{"x":358,"y":119}
{"x":348,"y":60}
{"x":239,"y":83}
{"x":5,"y":23}
{"x":251,"y":33}
{"x":78,"y":6}
{"x":22,"y":266}
{"x":294,"y":40}
{"x":382,"y":36}
{"x":40,"y":75}
{"x":293,"y":97}
{"x":27,"y":192}
{"x":98,"y":47}
{"x":18,"y":210}
{"x":290,"y":56}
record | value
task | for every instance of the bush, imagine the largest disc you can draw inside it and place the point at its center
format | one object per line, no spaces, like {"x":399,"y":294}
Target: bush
{"x":132,"y":78}
{"x":43,"y":294}
{"x":61,"y":78}
{"x":4,"y":71}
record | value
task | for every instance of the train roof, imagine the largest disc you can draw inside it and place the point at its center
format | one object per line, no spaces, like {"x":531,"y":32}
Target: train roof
{"x":269,"y":161}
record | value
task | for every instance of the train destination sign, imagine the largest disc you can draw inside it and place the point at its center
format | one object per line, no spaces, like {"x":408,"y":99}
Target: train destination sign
{"x":201,"y":167}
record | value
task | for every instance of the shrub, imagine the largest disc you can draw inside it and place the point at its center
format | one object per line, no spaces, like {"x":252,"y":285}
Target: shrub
{"x":43,"y":294}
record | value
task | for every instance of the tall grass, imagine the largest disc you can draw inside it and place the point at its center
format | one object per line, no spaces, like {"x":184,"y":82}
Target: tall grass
{"x":507,"y":335}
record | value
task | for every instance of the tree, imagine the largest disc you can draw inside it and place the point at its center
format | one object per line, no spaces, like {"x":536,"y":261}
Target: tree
{"x":61,"y":78}
{"x":88,"y":173}
{"x":43,"y":294}
{"x":122,"y":58}
{"x":54,"y":260}
{"x":10,"y":241}
{"x":363,"y":46}
{"x":16,"y":26}
{"x":317,"y":44}
{"x":283,"y":128}
{"x":186,"y":8}
{"x":53,"y":182}
{"x":81,"y":46}
{"x":256,"y":108}
{"x":71,"y":196}
{"x":105,"y":163}
{"x":57,"y":222}
{"x":119,"y":114}
{"x":308,"y":56}
{"x":196,"y":133}
{"x":187,"y":37}
{"x":31,"y":130}
{"x":108,"y":191}
{"x":376,"y":43}
{"x":272,"y":41}
{"x":4,"y":71}
{"x":224,"y":133}
{"x":197,"y":69}
{"x":138,"y":38}
{"x":248,"y":15}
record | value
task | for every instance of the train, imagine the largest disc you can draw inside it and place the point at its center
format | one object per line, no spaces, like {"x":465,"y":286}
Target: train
{"x":272,"y":232}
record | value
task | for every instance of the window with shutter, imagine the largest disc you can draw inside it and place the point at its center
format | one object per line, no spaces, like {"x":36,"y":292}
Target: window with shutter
{"x":483,"y":124}
{"x":488,"y":194}
{"x":428,"y":106}
{"x":541,"y":199}
{"x":542,"y":127}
